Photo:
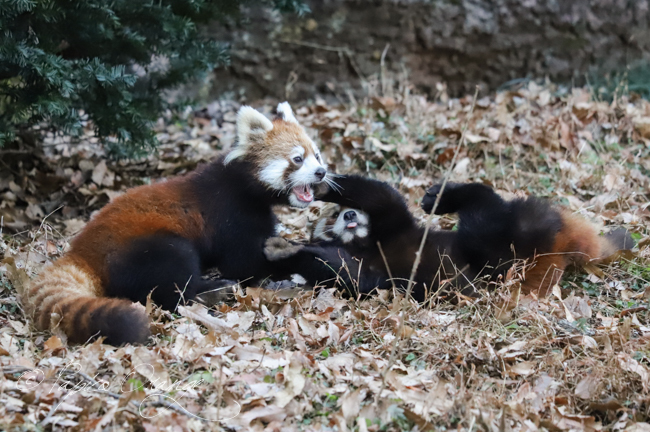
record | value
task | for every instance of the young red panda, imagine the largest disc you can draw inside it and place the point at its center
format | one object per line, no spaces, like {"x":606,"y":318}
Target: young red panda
{"x":492,"y":233}
{"x":159,"y":238}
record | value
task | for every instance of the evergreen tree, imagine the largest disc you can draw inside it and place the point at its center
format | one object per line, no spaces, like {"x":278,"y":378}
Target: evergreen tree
{"x":110,"y":60}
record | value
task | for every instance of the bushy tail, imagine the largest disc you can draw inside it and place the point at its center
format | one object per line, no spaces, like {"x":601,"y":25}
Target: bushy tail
{"x":579,"y":239}
{"x":66,"y":295}
{"x":577,"y":243}
{"x":613,"y":242}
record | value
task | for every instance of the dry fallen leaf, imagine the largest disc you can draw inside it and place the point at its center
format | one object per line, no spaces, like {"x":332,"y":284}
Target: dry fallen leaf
{"x":294,"y":359}
{"x":53,"y":343}
{"x":148,"y":364}
{"x":523,"y":368}
{"x":294,"y":382}
{"x":587,"y":387}
{"x":629,"y":364}
{"x":638,"y":427}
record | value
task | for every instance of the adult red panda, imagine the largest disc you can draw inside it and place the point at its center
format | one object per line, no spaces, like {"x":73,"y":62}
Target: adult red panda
{"x":492,"y":232}
{"x":161,"y":237}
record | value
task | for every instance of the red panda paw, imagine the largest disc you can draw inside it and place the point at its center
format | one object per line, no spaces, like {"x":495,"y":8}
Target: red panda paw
{"x":217,"y":291}
{"x":277,"y":248}
{"x":320,"y":189}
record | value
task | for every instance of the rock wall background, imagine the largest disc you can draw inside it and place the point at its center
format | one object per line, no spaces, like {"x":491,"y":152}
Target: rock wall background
{"x":460,"y":42}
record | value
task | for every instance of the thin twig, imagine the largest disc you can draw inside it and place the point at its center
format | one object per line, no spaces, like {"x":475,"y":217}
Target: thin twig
{"x":461,"y":142}
{"x":80,"y":377}
{"x":96,"y":387}
{"x":162,"y":403}
{"x":382,"y":63}
{"x":342,"y":51}
{"x":390,"y":275}
{"x":418,"y":255}
{"x":220,"y":388}
{"x":12,"y":370}
{"x":448,"y":282}
{"x":16,"y":152}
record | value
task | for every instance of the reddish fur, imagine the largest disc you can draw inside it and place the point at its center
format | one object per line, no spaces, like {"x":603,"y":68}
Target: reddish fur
{"x":577,"y":243}
{"x":141,"y":211}
{"x":76,"y":292}
{"x":37,"y":294}
{"x":74,"y":288}
{"x":78,"y":317}
{"x":279,"y":141}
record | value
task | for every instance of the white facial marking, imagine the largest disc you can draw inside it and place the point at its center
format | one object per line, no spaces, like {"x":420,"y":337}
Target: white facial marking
{"x":273,"y":173}
{"x":346,"y":235}
{"x":306,"y":174}
{"x":320,"y":230}
{"x":284,"y":110}
{"x":297,"y":151}
{"x":317,"y":152}
{"x":295,"y":202}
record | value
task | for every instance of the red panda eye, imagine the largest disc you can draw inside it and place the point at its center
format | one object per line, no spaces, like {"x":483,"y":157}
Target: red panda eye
{"x":297,"y":159}
{"x":336,"y":215}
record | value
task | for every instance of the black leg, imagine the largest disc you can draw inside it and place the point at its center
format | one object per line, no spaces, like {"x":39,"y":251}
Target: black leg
{"x":459,"y":197}
{"x":485,"y":233}
{"x":493,"y":232}
{"x":325,"y":263}
{"x":212,"y":292}
{"x":165,"y":263}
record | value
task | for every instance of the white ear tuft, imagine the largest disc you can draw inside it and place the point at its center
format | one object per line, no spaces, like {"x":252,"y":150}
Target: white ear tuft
{"x":251,"y":122}
{"x":286,"y":113}
{"x":251,"y":126}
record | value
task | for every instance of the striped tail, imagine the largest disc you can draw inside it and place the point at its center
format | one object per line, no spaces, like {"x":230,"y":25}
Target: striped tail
{"x":66,"y":295}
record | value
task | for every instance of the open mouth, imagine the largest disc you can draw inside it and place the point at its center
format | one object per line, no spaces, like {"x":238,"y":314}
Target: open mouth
{"x":351,"y":225}
{"x":303,"y":193}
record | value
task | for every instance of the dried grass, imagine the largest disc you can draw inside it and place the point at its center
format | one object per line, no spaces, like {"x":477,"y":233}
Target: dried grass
{"x":299,"y":360}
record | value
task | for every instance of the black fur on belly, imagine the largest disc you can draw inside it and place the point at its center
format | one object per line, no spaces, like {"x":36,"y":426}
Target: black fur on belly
{"x":491,"y":234}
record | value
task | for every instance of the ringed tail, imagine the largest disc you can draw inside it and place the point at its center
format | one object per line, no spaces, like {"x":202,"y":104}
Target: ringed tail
{"x":68,"y":295}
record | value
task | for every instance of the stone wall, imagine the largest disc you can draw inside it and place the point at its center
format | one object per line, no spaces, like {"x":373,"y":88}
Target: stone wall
{"x":460,"y":42}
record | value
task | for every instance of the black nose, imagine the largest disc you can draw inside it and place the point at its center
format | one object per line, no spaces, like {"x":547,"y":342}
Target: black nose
{"x":320,"y":173}
{"x":350,"y":216}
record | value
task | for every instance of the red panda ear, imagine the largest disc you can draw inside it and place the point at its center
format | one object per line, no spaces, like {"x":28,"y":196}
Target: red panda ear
{"x":286,"y":113}
{"x":252,"y":126}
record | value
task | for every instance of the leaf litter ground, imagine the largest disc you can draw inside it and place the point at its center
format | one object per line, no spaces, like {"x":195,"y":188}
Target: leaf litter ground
{"x":295,"y":359}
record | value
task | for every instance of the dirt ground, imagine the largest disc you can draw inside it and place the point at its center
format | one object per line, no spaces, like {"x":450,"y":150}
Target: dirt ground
{"x":304,"y":360}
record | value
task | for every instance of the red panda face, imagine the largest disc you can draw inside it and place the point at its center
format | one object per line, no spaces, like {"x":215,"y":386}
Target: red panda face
{"x":286,"y":159}
{"x":342,"y":223}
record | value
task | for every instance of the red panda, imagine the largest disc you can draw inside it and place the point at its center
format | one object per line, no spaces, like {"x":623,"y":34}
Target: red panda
{"x":159,"y":238}
{"x":369,"y":214}
{"x":494,"y":231}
